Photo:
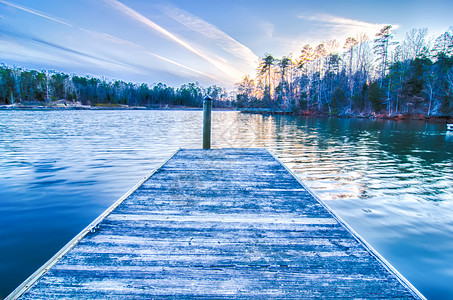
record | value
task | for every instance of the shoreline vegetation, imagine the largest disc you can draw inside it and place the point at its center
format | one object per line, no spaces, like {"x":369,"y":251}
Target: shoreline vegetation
{"x":363,"y":78}
{"x":268,"y":111}
{"x":21,"y":88}
{"x":74,"y":105}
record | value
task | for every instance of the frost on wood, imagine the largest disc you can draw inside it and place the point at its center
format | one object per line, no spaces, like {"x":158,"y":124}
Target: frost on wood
{"x":217,"y":223}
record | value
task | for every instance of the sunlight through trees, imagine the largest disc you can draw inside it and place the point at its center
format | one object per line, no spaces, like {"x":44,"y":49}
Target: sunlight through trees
{"x":365,"y":77}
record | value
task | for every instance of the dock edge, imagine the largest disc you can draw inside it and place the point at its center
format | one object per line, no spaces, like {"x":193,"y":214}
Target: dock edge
{"x":403,"y":280}
{"x":33,"y":278}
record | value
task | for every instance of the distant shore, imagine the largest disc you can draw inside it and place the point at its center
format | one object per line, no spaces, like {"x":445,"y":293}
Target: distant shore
{"x":396,"y":117}
{"x":101,"y":107}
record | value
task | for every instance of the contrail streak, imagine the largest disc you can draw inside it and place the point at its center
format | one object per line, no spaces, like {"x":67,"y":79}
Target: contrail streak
{"x":140,"y":18}
{"x":125,"y":42}
{"x":33,"y":12}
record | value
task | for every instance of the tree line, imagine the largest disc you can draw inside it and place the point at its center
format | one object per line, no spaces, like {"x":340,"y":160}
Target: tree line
{"x":19,"y":85}
{"x":362,"y":76}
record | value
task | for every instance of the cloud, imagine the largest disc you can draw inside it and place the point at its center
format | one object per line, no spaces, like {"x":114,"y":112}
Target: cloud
{"x":64,"y":49}
{"x":340,"y":26}
{"x":23,"y":53}
{"x":142,"y":19}
{"x":213,"y":33}
{"x":228,"y":71}
{"x":35,"y":44}
{"x":115,"y":39}
{"x":181,"y":65}
{"x":109,"y":37}
{"x":268,"y":29}
{"x":34,"y":12}
{"x":85,"y":56}
{"x":323,"y":27}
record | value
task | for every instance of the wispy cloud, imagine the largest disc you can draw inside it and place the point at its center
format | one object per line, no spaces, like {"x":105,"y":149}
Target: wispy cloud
{"x":222,"y":66}
{"x":181,"y":65}
{"x":144,"y":20}
{"x":342,"y":26}
{"x":115,"y":39}
{"x":268,"y":29}
{"x":23,"y":53}
{"x":109,"y":37}
{"x":43,"y":48}
{"x":213,"y":33}
{"x":34,"y":12}
{"x":85,"y":56}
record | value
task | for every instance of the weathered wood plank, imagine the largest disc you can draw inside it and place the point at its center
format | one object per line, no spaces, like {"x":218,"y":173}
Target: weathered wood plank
{"x":226,"y":223}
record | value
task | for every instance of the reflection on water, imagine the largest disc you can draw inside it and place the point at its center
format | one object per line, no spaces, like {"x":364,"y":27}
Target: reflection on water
{"x":391,"y":181}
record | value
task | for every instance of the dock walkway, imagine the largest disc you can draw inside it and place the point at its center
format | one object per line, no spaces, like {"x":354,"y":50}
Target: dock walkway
{"x":223,"y":223}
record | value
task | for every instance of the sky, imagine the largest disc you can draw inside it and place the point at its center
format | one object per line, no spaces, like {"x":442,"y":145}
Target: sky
{"x":179,"y":41}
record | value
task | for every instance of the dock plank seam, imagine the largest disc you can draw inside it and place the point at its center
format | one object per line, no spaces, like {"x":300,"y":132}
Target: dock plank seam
{"x":222,"y":223}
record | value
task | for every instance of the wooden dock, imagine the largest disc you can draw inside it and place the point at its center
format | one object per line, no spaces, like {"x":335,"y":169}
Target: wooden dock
{"x":224,"y":223}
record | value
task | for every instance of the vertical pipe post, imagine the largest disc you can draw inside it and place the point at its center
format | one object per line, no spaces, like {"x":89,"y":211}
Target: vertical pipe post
{"x":207,"y":108}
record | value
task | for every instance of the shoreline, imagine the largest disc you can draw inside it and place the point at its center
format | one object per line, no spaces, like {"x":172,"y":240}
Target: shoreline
{"x":381,"y":116}
{"x":48,"y":108}
{"x":262,"y":111}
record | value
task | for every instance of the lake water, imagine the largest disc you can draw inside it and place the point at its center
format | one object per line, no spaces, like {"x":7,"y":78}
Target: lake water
{"x":391,"y":181}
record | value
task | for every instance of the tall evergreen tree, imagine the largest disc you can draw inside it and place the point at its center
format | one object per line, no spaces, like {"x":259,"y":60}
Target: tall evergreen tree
{"x":381,"y":49}
{"x":266,"y":64}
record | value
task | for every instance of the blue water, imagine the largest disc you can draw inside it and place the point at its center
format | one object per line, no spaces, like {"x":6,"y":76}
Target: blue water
{"x":391,"y":181}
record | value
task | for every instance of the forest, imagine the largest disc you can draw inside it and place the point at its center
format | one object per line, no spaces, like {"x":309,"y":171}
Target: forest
{"x":362,"y":76}
{"x":31,"y":87}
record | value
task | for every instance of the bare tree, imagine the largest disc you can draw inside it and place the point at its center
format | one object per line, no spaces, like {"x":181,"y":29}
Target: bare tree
{"x":415,"y":44}
{"x":349,"y":45}
{"x":443,"y":45}
{"x":319,"y":54}
{"x":305,"y":65}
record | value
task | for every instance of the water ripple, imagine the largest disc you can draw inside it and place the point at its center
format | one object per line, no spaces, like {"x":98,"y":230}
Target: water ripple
{"x":391,"y":181}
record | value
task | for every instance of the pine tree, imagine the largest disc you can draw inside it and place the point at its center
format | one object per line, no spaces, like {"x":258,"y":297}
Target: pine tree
{"x":381,"y":49}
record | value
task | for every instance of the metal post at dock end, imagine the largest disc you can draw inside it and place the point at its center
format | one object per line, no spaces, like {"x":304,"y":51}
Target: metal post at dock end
{"x":207,"y":108}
